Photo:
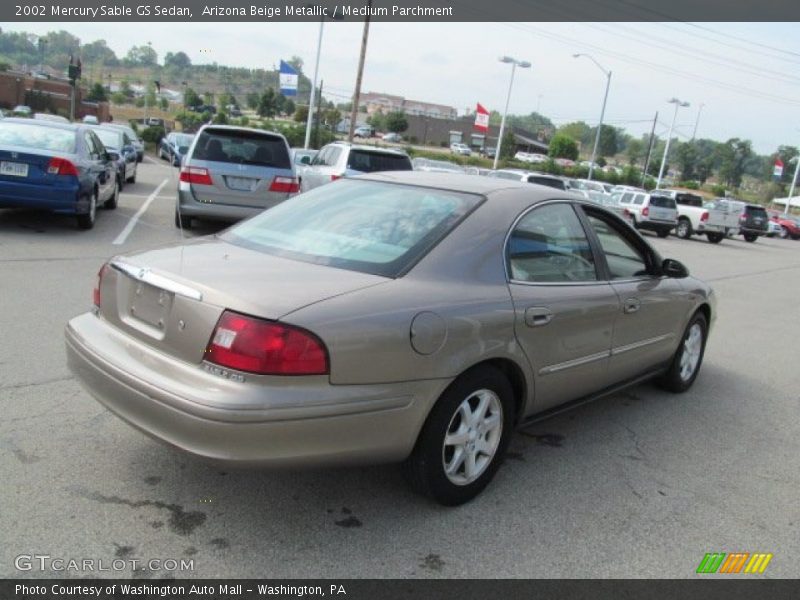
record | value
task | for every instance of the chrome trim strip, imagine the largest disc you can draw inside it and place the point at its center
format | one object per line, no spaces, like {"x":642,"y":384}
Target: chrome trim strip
{"x":641,"y":344}
{"x":156,"y":280}
{"x":577,"y":362}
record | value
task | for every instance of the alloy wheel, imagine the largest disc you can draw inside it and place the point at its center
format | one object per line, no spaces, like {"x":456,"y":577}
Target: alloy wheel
{"x":692,"y":350}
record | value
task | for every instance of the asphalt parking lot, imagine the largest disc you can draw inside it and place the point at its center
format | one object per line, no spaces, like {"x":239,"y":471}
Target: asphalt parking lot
{"x":641,"y":484}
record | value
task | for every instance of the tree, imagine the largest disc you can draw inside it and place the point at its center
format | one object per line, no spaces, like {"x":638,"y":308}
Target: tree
{"x":686,"y":156}
{"x":634,"y":151}
{"x":301,"y":114}
{"x":252,"y":100}
{"x":163,"y":102}
{"x":178,"y":59}
{"x":99,"y":52}
{"x":297,"y":63}
{"x":609,"y":142}
{"x":563,"y":146}
{"x":509,"y":146}
{"x":377,"y":120}
{"x":290,"y":107}
{"x":119,"y":98}
{"x":733,"y":155}
{"x":143,"y":55}
{"x":537,"y":124}
{"x":396,"y":122}
{"x":280,"y":103}
{"x":267,"y":105}
{"x":191,"y":98}
{"x":577,"y":130}
{"x":97,"y":93}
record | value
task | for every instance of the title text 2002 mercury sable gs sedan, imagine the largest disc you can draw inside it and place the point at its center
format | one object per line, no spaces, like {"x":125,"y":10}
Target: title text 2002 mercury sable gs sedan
{"x":414,"y":317}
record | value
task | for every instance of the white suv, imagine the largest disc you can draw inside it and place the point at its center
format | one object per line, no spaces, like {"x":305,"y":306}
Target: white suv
{"x":649,"y":211}
{"x":458,"y":148}
{"x":340,"y":159}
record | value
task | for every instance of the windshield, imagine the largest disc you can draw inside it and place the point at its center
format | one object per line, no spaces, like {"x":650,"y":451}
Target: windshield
{"x":39,"y":137}
{"x":110,"y":139}
{"x":362,"y":226}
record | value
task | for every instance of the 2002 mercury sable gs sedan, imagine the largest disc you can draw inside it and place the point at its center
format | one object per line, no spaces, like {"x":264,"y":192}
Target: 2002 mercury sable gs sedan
{"x":414,"y":317}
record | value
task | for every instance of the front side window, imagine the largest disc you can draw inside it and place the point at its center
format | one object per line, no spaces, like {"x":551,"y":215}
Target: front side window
{"x":549,"y":245}
{"x":370,"y":162}
{"x":362,"y":226}
{"x":625,"y":260}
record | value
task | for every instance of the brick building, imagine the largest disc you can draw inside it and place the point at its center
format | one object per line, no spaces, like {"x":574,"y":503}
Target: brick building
{"x":47,"y":95}
{"x":443,"y":132}
{"x":386,"y":103}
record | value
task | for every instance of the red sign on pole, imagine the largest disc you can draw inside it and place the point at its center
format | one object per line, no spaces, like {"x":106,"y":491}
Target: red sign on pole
{"x":778,"y":170}
{"x":481,"y":119}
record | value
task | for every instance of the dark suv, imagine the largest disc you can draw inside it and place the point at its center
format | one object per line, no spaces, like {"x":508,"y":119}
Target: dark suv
{"x":753,"y":222}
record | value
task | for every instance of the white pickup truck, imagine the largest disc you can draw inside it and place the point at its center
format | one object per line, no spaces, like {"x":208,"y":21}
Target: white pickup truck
{"x":695,"y":219}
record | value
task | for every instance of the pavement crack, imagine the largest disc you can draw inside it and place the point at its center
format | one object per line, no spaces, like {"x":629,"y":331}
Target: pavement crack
{"x":18,"y":386}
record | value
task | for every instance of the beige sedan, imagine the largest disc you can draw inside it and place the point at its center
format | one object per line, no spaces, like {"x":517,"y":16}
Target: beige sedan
{"x":400,"y":317}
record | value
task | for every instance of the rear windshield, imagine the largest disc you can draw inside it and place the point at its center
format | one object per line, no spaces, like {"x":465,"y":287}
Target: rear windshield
{"x":243,"y":148}
{"x":548,"y":181}
{"x":365,"y":226}
{"x":689,"y":200}
{"x":109,"y":138}
{"x":37,"y":137}
{"x":662,"y":202}
{"x":369,"y":162}
{"x":756,"y":211}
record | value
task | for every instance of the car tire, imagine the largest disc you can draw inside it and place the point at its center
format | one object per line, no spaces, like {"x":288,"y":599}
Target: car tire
{"x":132,"y":178}
{"x":662,"y":233}
{"x":688,"y":357}
{"x":478,"y":410}
{"x":182,"y":220}
{"x":784,"y":233}
{"x":112,"y":202}
{"x":684,"y":229}
{"x":87,"y":220}
{"x":715,"y":238}
{"x":750,"y":237}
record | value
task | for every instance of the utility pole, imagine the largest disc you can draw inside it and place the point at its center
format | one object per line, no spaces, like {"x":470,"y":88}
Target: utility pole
{"x":678,"y":104}
{"x":791,"y":189}
{"x":362,"y":57}
{"x":697,"y":120}
{"x":314,"y":85}
{"x":319,"y":106}
{"x":649,"y":148}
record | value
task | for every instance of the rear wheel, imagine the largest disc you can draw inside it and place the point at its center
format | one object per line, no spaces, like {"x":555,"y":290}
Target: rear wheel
{"x":684,"y":229}
{"x":715,"y":238}
{"x":86,"y":220}
{"x":750,"y":237}
{"x":689,"y":356}
{"x":464,"y":438}
{"x":132,"y":178}
{"x":112,"y":202}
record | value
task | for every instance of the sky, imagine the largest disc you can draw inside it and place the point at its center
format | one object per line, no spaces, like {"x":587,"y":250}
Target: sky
{"x":746,"y":76}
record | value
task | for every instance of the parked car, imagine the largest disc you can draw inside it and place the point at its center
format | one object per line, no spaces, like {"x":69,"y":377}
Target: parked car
{"x":753,"y":218}
{"x":520,"y":156}
{"x":303,"y":156}
{"x":436,"y":166}
{"x":50,"y":117}
{"x":22,"y":111}
{"x":565,"y":162}
{"x":394,"y":138}
{"x":395,"y":317}
{"x":650,"y":211}
{"x":537,"y":158}
{"x":91,"y":120}
{"x":138,"y":144}
{"x":58,"y":167}
{"x":341,"y":159}
{"x":118,"y":142}
{"x":789,"y":225}
{"x":461,"y":149}
{"x":174,"y":146}
{"x":363,"y":131}
{"x":551,"y":181}
{"x":489,"y":152}
{"x":695,"y":219}
{"x":231,"y":173}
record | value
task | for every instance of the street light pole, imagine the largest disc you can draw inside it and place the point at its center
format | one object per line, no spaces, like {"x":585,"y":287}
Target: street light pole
{"x":791,"y":189}
{"x":522,"y":64}
{"x":314,"y":86}
{"x":697,"y":120}
{"x":677,"y":104}
{"x":602,"y":110}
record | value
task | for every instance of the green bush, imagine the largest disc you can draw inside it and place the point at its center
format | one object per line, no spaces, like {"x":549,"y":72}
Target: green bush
{"x":718,"y":190}
{"x":153,"y":134}
{"x":689,"y":185}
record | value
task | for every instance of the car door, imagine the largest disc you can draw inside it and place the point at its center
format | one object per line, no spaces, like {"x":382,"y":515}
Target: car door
{"x":563,"y":311}
{"x":103,"y":170}
{"x":652,"y":308}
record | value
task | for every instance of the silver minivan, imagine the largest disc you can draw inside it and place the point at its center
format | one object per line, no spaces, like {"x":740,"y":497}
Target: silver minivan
{"x":231,"y":173}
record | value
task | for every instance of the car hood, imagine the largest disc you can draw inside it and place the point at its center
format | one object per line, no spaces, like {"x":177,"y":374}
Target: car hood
{"x":249,"y":281}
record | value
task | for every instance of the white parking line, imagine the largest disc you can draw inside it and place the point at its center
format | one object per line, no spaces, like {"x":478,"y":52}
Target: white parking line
{"x":132,"y":223}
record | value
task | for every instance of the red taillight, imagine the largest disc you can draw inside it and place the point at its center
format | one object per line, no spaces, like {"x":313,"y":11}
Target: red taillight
{"x":195,"y":175}
{"x":743,"y":217}
{"x":96,"y":292}
{"x":335,"y":177}
{"x":287,"y":185}
{"x":704,"y":216}
{"x":61,"y":166}
{"x":265,"y":347}
{"x":645,"y":211}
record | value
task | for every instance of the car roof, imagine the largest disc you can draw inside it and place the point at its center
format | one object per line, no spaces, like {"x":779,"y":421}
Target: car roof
{"x":456,"y":182}
{"x":45,"y":123}
{"x":369,"y":148}
{"x":234,"y":128}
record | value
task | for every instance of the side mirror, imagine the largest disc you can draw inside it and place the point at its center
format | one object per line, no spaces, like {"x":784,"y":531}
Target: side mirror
{"x":112,"y":156}
{"x":673,"y":268}
{"x":305,"y":160}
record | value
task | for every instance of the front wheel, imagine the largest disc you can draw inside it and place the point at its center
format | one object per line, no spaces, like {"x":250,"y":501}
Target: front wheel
{"x":750,"y":237}
{"x":689,"y":356}
{"x":464,"y":438}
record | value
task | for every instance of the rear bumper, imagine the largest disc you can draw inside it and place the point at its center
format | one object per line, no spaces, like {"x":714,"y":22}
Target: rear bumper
{"x":651,"y":225}
{"x":190,"y":207}
{"x":63,"y":199}
{"x":319,"y":424}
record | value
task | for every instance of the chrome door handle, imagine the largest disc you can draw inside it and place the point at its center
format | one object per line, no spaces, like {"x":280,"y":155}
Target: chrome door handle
{"x":631,"y":305}
{"x":537,"y":316}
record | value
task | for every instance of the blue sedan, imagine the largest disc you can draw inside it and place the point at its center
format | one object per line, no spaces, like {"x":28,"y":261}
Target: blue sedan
{"x":63,"y":168}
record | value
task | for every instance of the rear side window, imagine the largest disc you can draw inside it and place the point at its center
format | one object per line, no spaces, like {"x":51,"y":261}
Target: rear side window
{"x":548,"y":181}
{"x":37,"y":136}
{"x":242,"y":147}
{"x":662,"y":202}
{"x":369,"y":162}
{"x":689,"y":200}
